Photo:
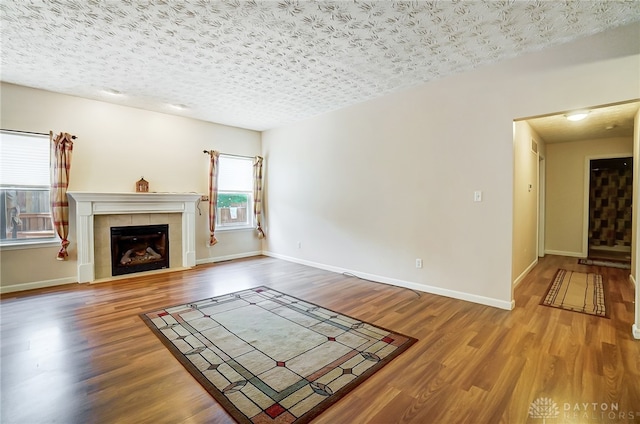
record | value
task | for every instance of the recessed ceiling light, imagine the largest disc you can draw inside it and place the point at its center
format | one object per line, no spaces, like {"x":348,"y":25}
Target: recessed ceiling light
{"x":112,"y":92}
{"x":577,"y":116}
{"x":179,"y":106}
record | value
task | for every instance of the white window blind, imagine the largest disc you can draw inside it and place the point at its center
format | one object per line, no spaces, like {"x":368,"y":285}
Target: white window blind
{"x":235,"y":174}
{"x":24,"y":160}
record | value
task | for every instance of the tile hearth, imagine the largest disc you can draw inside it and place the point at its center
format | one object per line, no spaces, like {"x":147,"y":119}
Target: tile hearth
{"x":102,"y":233}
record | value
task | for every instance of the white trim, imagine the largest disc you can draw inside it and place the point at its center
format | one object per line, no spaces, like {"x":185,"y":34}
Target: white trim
{"x":119,"y":203}
{"x":520,"y":277}
{"x":89,"y":204}
{"x":68,"y":280}
{"x":230,"y":229}
{"x":496,"y":303}
{"x":37,"y":285}
{"x":636,"y":331}
{"x":542,"y":184}
{"x":36,"y":244}
{"x":228,"y":257}
{"x":565,"y":253}
{"x":586,"y":182}
{"x":633,"y":280}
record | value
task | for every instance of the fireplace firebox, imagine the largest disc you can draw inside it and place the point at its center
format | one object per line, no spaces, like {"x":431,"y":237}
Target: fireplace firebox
{"x":139,"y":248}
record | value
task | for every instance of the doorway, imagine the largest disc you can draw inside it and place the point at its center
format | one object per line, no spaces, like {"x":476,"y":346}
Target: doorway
{"x":610,"y":213}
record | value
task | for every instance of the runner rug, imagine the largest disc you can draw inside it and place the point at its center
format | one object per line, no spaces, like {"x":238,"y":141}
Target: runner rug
{"x":268,"y":357}
{"x":576,"y":291}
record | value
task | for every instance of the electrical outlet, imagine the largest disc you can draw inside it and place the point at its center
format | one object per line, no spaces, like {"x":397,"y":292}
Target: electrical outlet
{"x":418,"y":263}
{"x":204,"y":198}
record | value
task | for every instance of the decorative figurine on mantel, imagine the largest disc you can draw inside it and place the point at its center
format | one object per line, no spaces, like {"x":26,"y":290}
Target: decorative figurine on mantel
{"x":142,"y":186}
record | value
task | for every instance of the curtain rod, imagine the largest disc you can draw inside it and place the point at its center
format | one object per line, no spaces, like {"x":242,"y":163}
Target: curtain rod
{"x":230,"y":155}
{"x":31,"y":132}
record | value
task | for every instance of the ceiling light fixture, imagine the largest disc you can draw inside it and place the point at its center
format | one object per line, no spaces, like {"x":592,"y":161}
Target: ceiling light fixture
{"x":112,"y":92}
{"x":178,"y":106}
{"x":577,"y":116}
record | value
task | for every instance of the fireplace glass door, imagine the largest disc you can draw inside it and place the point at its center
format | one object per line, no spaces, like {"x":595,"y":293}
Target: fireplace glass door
{"x":139,"y":248}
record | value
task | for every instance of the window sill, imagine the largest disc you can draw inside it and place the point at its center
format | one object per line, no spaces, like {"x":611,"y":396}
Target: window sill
{"x":228,"y":229}
{"x":36,"y":244}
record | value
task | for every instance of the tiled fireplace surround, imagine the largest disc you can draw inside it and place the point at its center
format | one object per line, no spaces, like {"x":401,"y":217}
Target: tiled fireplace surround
{"x":96,"y":213}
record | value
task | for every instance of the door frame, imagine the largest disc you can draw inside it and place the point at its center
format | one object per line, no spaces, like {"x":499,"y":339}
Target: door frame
{"x":542,"y":170}
{"x":587,"y":183}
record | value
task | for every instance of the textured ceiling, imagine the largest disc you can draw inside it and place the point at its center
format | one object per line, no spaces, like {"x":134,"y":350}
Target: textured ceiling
{"x":261,"y":64}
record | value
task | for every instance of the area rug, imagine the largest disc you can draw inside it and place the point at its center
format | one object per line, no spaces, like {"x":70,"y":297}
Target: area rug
{"x":268,"y":357}
{"x":576,"y":291}
{"x":605,"y":262}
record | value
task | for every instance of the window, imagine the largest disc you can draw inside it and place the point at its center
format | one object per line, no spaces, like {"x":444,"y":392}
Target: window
{"x":235,"y":193}
{"x":25,"y":211}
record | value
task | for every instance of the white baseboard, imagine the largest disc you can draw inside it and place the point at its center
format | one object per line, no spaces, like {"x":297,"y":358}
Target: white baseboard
{"x":393,"y":281}
{"x":61,"y":281}
{"x":635,"y":329}
{"x":228,"y":257}
{"x":520,"y":277}
{"x":565,"y":253}
{"x":496,"y":303}
{"x":37,"y":285}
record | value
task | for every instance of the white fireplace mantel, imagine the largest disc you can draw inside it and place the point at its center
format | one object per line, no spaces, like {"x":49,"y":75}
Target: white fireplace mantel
{"x":88,"y":204}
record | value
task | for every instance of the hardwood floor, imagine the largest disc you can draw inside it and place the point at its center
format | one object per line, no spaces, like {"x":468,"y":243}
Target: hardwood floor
{"x":80,"y":353}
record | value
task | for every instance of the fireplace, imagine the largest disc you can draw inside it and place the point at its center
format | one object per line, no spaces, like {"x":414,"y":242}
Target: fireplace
{"x":139,"y":248}
{"x":107,"y":210}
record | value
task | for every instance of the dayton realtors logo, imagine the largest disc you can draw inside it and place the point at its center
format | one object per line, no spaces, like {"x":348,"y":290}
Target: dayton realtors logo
{"x":546,"y":408}
{"x":543,"y":408}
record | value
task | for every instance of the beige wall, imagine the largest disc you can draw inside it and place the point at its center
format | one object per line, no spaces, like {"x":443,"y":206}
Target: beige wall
{"x":368,"y":188}
{"x":372,"y":187}
{"x":525,"y":199}
{"x":117,"y":145}
{"x":567,"y":182}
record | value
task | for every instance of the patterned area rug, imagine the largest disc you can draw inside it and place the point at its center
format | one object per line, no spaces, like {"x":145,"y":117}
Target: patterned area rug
{"x":576,"y":291}
{"x":605,"y":262}
{"x":268,"y":357}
